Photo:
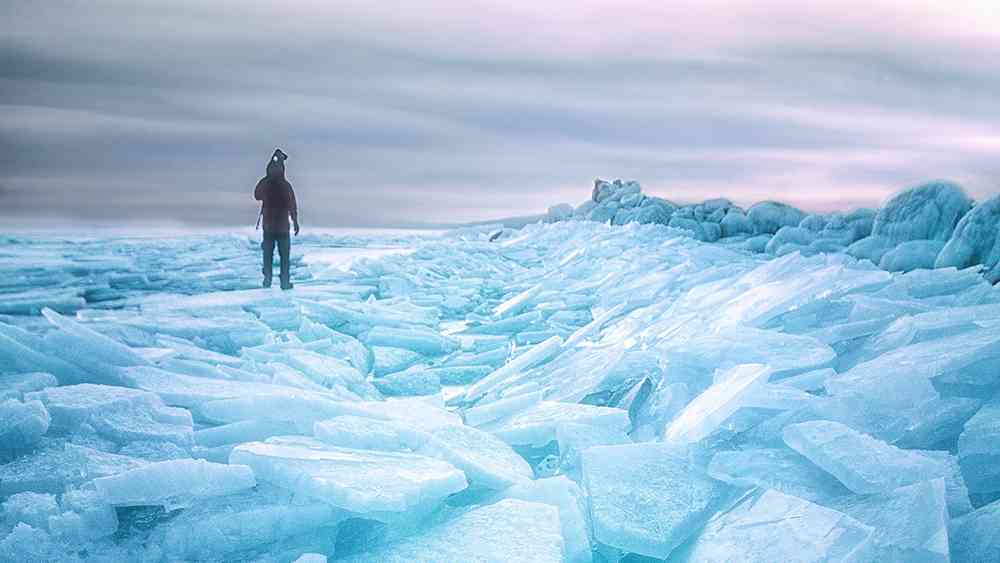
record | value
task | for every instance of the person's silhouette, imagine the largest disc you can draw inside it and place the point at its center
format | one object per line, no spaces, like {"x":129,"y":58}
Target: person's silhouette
{"x":277,"y":204}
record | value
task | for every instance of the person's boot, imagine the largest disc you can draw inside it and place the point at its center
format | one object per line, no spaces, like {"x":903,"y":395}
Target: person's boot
{"x":267,"y":282}
{"x":286,"y":284}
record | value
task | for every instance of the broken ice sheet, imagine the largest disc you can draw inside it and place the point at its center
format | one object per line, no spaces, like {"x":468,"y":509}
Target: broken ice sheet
{"x":173,"y":483}
{"x":866,"y":465}
{"x":776,"y":468}
{"x":360,"y":481}
{"x":509,"y":530}
{"x":710,"y":409}
{"x":645,"y":500}
{"x":768,"y":525}
{"x":910,"y":523}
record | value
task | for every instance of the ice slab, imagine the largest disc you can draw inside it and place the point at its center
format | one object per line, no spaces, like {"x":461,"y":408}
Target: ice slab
{"x":775,"y":468}
{"x":488,"y":412}
{"x":390,"y":360}
{"x":365,"y":433}
{"x":91,"y":351}
{"x":487,"y":461}
{"x":116,"y":413}
{"x":536,"y":426}
{"x":710,"y":409}
{"x":409,"y":383}
{"x":538,"y":354}
{"x":52,"y":469}
{"x":574,"y":438}
{"x":173,"y":483}
{"x":645,"y":500}
{"x":568,"y":497}
{"x":21,"y":352}
{"x":939,"y":425}
{"x":359,"y":481}
{"x":242,"y":431}
{"x":975,"y":537}
{"x":15,"y":385}
{"x":769,"y":525}
{"x":30,"y":508}
{"x":420,"y":340}
{"x":232,"y":527}
{"x":910,"y":523}
{"x":862,"y":463}
{"x":331,"y":372}
{"x":979,"y":450}
{"x":26,"y":543}
{"x":85,"y":517}
{"x":509,"y":530}
{"x":22,"y":425}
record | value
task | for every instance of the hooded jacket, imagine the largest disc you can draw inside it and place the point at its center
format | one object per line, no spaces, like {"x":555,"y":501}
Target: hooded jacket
{"x":277,"y":198}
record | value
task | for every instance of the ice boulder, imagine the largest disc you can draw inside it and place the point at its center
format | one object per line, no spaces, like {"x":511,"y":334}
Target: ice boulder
{"x":509,"y":530}
{"x":870,"y":248}
{"x":736,"y":223}
{"x":646,"y":500}
{"x":769,"y":525}
{"x":911,"y":255}
{"x":21,"y":425}
{"x":173,"y":483}
{"x":976,"y":240}
{"x":560,"y":212}
{"x":694,"y":229}
{"x":926,"y":212}
{"x":361,"y":481}
{"x":654,"y":210}
{"x":789,"y":236}
{"x":770,"y":216}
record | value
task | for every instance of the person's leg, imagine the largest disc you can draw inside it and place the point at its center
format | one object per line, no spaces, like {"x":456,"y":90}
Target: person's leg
{"x":268,"y":265}
{"x":284,"y":250}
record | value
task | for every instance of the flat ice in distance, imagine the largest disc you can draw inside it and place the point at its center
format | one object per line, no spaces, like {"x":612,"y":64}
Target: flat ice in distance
{"x":687,"y":383}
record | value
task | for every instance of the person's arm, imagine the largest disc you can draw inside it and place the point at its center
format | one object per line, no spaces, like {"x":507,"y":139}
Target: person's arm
{"x":258,"y":192}
{"x":293,"y":208}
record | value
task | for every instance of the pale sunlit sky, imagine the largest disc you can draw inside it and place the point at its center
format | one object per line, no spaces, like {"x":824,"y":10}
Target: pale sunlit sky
{"x":451,"y":111}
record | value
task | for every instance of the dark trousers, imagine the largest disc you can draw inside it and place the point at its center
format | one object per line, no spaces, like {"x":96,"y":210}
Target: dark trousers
{"x":284,"y":249}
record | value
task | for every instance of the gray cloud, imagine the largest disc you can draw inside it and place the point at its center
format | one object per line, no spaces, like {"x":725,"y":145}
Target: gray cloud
{"x":466,"y":111}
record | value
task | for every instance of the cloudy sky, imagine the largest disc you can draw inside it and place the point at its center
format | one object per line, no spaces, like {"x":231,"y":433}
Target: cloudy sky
{"x":461,"y":110}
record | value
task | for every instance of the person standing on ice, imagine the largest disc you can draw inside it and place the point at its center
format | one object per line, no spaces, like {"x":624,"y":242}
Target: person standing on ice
{"x":277,"y":204}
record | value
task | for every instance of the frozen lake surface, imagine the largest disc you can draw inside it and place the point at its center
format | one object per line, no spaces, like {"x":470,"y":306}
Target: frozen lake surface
{"x":567,"y":392}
